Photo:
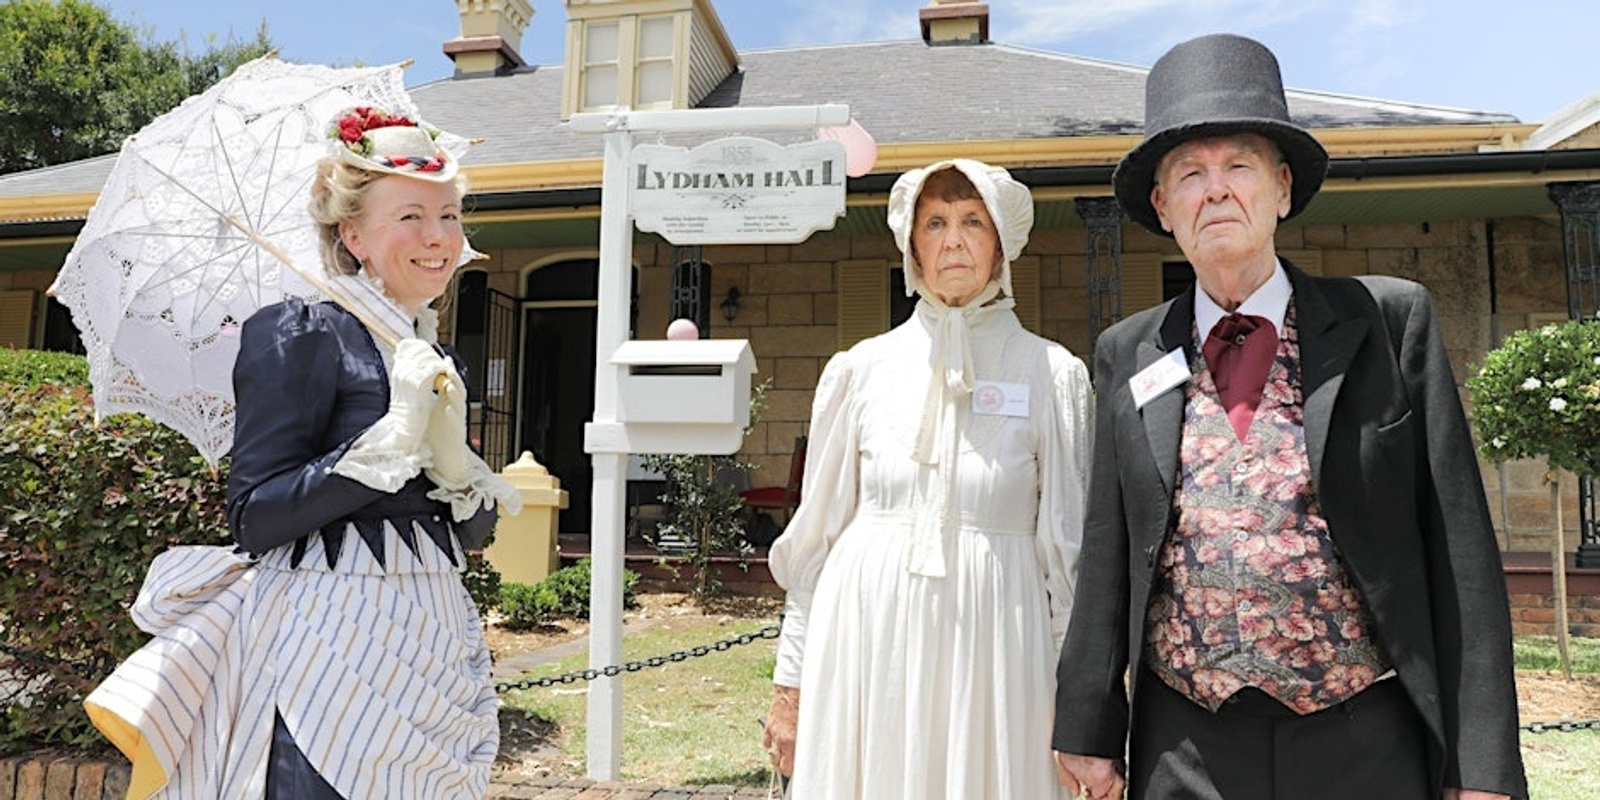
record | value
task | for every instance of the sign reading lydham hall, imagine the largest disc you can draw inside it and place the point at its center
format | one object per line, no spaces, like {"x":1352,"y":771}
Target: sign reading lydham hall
{"x":737,"y":190}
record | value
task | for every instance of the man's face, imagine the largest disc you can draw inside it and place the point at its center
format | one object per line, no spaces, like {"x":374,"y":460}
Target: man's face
{"x":1222,"y":197}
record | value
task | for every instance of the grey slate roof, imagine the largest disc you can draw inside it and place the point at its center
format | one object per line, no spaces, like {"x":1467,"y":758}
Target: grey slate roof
{"x":901,"y":92}
{"x":87,"y":175}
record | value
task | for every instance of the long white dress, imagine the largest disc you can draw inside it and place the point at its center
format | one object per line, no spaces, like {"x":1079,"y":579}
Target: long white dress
{"x":915,"y":685}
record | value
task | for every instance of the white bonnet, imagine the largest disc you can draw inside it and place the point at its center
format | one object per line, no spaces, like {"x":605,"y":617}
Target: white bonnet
{"x":1009,"y":203}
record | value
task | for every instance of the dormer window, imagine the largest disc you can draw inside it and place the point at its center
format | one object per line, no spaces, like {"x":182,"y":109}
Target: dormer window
{"x":620,"y":56}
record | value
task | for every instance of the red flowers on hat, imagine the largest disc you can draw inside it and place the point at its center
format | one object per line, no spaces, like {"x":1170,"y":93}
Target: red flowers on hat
{"x":352,"y":126}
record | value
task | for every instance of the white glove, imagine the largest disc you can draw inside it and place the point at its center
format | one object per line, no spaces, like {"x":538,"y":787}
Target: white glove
{"x":411,"y":392}
{"x":446,"y":437}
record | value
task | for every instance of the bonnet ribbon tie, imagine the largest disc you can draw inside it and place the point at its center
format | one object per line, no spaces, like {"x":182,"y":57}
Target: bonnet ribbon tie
{"x":950,"y":384}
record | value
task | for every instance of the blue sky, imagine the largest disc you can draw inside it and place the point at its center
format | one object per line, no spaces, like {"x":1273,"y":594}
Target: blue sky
{"x":1529,"y":58}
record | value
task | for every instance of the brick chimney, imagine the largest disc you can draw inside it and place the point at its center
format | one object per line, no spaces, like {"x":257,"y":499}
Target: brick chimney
{"x":491,"y":32}
{"x":952,"y":22}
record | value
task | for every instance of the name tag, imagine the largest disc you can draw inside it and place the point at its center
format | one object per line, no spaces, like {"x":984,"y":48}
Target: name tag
{"x":1003,"y":399}
{"x":1154,"y":380}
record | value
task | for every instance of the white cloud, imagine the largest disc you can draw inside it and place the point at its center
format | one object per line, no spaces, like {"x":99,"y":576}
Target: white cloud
{"x":1046,"y":21}
{"x":810,"y":22}
{"x":1373,"y":44}
{"x":1139,"y":31}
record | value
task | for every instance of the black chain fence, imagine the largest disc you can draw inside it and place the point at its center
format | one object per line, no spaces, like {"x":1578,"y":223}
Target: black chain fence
{"x":613,"y":670}
{"x":769,"y":632}
{"x":1565,"y":726}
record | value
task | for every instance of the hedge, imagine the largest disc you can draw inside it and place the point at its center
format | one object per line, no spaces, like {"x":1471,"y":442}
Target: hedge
{"x":84,"y":508}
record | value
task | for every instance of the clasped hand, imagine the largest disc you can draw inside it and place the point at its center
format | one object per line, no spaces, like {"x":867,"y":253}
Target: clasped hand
{"x":428,"y":405}
{"x":412,"y":395}
{"x":447,"y":436}
{"x":1090,"y":777}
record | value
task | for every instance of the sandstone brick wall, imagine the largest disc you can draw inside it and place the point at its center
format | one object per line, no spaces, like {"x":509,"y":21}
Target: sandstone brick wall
{"x":1488,"y":278}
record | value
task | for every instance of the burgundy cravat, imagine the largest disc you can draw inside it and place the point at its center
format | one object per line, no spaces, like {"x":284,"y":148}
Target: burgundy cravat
{"x":1239,"y":352}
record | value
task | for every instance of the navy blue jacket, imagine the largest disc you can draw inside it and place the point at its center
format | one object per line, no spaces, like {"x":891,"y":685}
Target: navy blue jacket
{"x":308,"y":381}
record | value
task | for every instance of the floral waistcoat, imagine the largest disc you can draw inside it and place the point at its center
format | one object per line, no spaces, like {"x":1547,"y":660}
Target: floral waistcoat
{"x":1251,"y":590}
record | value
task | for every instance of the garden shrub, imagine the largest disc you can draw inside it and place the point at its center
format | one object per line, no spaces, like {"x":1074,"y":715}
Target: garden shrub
{"x":84,"y":508}
{"x":41,"y":368}
{"x":705,"y":514}
{"x":482,"y":580}
{"x":565,"y":593}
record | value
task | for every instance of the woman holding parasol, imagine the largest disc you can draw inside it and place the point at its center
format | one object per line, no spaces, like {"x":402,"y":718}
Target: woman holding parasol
{"x":336,"y":653}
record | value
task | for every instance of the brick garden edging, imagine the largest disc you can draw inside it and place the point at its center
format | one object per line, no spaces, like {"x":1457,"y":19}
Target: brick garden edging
{"x":1535,"y":614}
{"x":1533,"y":609}
{"x":53,"y":776}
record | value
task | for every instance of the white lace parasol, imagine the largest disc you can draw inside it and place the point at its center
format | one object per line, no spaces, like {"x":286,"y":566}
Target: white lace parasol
{"x":179,"y":248}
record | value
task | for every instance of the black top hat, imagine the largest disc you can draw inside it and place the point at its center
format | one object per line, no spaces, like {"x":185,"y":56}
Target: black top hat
{"x":1215,"y":85}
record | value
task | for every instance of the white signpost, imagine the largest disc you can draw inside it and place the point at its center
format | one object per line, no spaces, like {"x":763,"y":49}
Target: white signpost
{"x":626,"y":190}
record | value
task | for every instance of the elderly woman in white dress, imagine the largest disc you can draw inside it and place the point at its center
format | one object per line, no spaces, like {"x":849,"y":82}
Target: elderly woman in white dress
{"x":929,"y":588}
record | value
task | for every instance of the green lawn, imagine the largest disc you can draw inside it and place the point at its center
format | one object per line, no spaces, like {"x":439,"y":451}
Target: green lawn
{"x":1562,"y":766}
{"x":695,"y":722}
{"x":687,"y":723}
{"x":1540,"y":653}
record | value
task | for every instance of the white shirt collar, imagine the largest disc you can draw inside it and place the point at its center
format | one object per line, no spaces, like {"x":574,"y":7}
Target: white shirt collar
{"x":1271,"y":301}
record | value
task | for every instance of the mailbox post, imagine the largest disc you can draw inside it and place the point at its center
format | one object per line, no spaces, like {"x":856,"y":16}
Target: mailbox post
{"x":609,"y":438}
{"x":685,"y":397}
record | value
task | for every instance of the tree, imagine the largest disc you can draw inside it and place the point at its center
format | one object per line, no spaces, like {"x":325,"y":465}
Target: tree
{"x":1538,"y":394}
{"x":74,"y":82}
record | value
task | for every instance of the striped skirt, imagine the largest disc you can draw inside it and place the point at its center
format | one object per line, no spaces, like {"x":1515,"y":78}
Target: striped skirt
{"x":378,"y":670}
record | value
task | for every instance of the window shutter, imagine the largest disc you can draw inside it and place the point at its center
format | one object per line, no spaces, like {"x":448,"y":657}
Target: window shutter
{"x":1141,"y":282}
{"x":18,"y":310}
{"x":1308,"y":260}
{"x":1025,"y":282}
{"x":862,"y":289}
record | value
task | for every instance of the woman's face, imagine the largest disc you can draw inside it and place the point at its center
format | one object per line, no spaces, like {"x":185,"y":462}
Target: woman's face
{"x":409,"y":236}
{"x":956,"y":247}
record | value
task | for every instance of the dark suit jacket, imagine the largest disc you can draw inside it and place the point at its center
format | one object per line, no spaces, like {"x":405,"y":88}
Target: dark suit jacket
{"x":1394,"y":470}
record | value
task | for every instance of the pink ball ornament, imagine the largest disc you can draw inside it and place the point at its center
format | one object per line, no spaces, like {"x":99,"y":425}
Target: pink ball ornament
{"x":682,"y":330}
{"x":860,"y":149}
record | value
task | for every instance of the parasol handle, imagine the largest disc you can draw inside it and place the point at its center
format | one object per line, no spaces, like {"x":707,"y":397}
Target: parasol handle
{"x":440,"y":381}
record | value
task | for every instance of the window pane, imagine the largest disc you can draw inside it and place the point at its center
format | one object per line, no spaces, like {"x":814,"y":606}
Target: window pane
{"x":599,"y":87}
{"x":600,"y":43}
{"x":655,"y":37}
{"x":655,"y":83}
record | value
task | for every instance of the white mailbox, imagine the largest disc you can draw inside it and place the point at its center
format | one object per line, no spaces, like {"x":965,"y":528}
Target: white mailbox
{"x":684,"y":396}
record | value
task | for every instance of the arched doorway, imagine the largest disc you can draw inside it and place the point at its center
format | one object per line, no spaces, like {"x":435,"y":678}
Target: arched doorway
{"x":557,"y":390}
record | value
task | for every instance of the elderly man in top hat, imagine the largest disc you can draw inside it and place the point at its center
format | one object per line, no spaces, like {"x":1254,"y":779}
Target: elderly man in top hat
{"x":1287,"y":546}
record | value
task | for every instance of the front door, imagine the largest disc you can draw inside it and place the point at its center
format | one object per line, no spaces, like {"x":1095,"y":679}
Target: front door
{"x":558,"y":398}
{"x":557,"y":378}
